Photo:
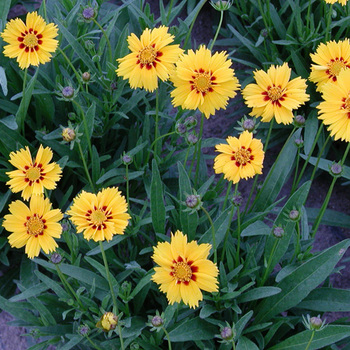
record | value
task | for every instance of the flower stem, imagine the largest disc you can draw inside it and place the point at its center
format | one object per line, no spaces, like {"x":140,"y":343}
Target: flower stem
{"x":217,"y":30}
{"x":267,"y":270}
{"x":22,"y":127}
{"x":92,"y":343}
{"x":308,"y":18}
{"x":310,"y":341}
{"x":168,"y":337}
{"x":319,"y":157}
{"x":162,"y":136}
{"x":169,"y":11}
{"x":227,"y":232}
{"x":192,"y":24}
{"x":296,"y":170}
{"x":156,"y":126}
{"x":186,"y":157}
{"x":238,"y":229}
{"x":329,"y":20}
{"x":308,"y":157}
{"x":85,"y":167}
{"x":86,"y":130}
{"x":127,"y":184}
{"x":257,"y":176}
{"x":199,"y":149}
{"x":227,"y":193}
{"x":328,"y":196}
{"x":107,"y":40}
{"x":115,"y":311}
{"x":213,"y":234}
{"x":233,"y":344}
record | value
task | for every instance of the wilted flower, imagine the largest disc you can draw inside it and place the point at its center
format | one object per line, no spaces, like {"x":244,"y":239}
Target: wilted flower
{"x":192,"y":138}
{"x":107,"y":322}
{"x":68,"y":134}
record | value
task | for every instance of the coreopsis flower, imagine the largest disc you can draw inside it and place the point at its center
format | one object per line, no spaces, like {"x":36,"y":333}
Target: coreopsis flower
{"x":151,"y":57}
{"x":31,"y":43}
{"x":330,"y":58}
{"x":35,"y":226}
{"x":341,"y":2}
{"x":100,"y":216}
{"x":31,"y":177}
{"x":274,"y":95}
{"x":184,"y":270}
{"x":334,"y":111}
{"x":240,"y":158}
{"x":203,"y":81}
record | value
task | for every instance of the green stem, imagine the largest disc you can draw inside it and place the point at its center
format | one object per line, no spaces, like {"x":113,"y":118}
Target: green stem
{"x":308,"y":18}
{"x":319,"y":157}
{"x":156,"y":125}
{"x":308,"y":156}
{"x":296,"y":170}
{"x":86,"y":130}
{"x":328,"y":196}
{"x":127,"y":184}
{"x":192,"y":24}
{"x":257,"y":176}
{"x":186,"y":157}
{"x":44,"y":9}
{"x":193,"y":159}
{"x":238,"y":236}
{"x":298,"y":247}
{"x":213,"y":234}
{"x":115,"y":306}
{"x":227,"y":233}
{"x":233,"y":344}
{"x":329,"y":20}
{"x":162,"y":136}
{"x":107,"y":40}
{"x":86,"y":168}
{"x":310,"y":341}
{"x":267,"y":270}
{"x":168,"y":337}
{"x":217,"y":30}
{"x":169,"y":11}
{"x":262,"y":12}
{"x":227,"y":193}
{"x":199,"y":149}
{"x":22,"y":127}
{"x":92,"y":343}
{"x":77,"y":75}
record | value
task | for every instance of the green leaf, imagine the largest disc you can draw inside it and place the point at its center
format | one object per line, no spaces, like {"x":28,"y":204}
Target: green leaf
{"x":258,"y":293}
{"x":5,"y":8}
{"x":327,"y":300}
{"x":277,"y":175}
{"x":275,"y":248}
{"x":44,"y":312}
{"x":189,"y":222}
{"x":193,"y":330}
{"x":30,"y":292}
{"x":246,"y":344}
{"x":328,"y":336}
{"x":157,"y":200}
{"x":3,"y":81}
{"x":23,"y":107}
{"x":59,"y":291}
{"x":330,"y":217}
{"x":141,"y":284}
{"x":297,"y":285}
{"x":257,"y":228}
{"x":242,"y":322}
{"x":106,"y":245}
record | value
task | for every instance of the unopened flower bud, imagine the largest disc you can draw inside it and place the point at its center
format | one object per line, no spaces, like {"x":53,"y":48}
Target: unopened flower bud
{"x":299,"y":142}
{"x":192,"y":139}
{"x":193,"y":200}
{"x":84,"y":329}
{"x":88,"y":13}
{"x":108,"y":321}
{"x":126,"y":159}
{"x":68,"y":134}
{"x":190,"y":121}
{"x":86,"y":76}
{"x":316,"y":322}
{"x":56,"y":258}
{"x":226,"y":333}
{"x":221,"y":5}
{"x":134,"y":346}
{"x":278,"y":232}
{"x":113,"y":86}
{"x":264,"y":33}
{"x":157,"y":321}
{"x":237,"y":200}
{"x":294,"y":215}
{"x":89,"y":45}
{"x":180,"y":128}
{"x":67,"y":92}
{"x":299,"y":120}
{"x":336,"y":169}
{"x":248,"y":124}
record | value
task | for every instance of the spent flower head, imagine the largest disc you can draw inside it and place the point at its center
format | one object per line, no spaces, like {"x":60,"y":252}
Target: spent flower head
{"x":191,"y":138}
{"x":191,"y":121}
{"x":180,"y":128}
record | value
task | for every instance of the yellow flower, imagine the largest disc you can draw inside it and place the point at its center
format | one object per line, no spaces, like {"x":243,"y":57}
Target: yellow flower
{"x":275,"y":95}
{"x":203,"y":81}
{"x":32,"y":177}
{"x":107,"y":322}
{"x":240,"y":158}
{"x":335,"y":109}
{"x":330,"y":58}
{"x":151,"y":57}
{"x":35,"y":226}
{"x":100,"y":216}
{"x":31,"y":42}
{"x":184,"y":270}
{"x":342,"y":2}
